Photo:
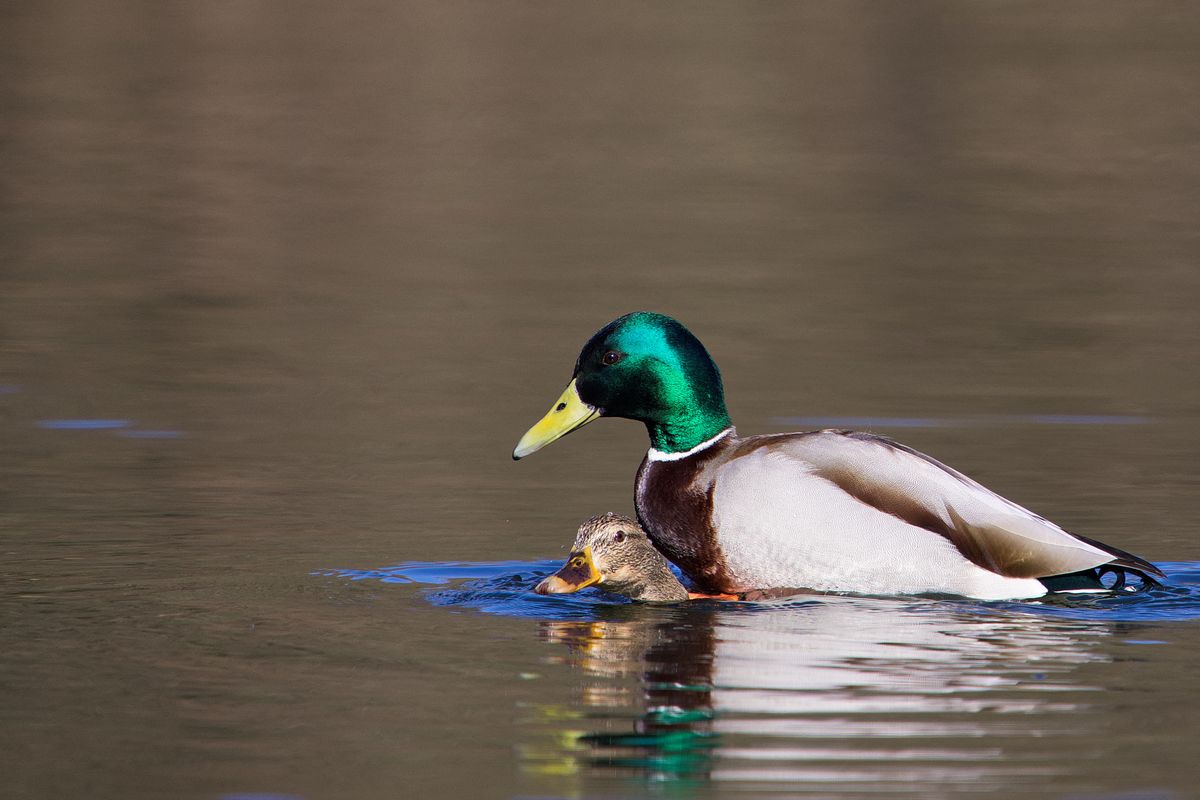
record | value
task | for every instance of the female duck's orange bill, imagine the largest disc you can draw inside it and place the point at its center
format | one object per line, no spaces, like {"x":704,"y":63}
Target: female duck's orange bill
{"x":578,"y":573}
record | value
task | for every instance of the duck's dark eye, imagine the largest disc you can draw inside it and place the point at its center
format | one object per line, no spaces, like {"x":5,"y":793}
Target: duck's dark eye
{"x":611,"y":357}
{"x":619,"y":537}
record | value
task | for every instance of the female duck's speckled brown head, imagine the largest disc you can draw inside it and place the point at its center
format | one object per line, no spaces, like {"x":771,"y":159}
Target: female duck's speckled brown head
{"x":614,"y":553}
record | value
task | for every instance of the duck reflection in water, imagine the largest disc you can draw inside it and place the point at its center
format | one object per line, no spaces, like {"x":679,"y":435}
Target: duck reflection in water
{"x":649,"y":691}
{"x":831,"y":692}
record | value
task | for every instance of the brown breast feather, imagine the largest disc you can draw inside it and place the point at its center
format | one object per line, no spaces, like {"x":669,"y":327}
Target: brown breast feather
{"x":674,"y":505}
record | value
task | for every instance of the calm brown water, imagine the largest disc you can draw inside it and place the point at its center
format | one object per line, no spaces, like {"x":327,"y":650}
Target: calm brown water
{"x":280,"y":287}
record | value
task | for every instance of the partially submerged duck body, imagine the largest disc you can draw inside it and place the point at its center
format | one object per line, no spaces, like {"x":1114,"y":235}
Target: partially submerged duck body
{"x":824,"y":510}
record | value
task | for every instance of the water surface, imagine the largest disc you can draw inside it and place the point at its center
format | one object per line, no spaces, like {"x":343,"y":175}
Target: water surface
{"x":825,"y":694}
{"x":281,"y":287}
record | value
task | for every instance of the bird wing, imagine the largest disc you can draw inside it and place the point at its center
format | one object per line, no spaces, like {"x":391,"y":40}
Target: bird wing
{"x":987,"y":529}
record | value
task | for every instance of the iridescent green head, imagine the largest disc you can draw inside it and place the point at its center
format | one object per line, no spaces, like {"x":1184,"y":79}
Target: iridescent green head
{"x":646,"y":367}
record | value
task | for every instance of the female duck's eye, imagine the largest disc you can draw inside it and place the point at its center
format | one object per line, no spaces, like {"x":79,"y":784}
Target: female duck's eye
{"x":619,"y":537}
{"x":611,"y":357}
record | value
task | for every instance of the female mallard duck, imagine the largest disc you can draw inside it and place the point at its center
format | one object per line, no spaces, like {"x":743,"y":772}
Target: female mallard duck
{"x":826,"y":510}
{"x":614,"y":553}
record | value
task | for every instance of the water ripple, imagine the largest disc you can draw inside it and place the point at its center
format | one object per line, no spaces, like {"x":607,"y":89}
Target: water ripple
{"x":83,"y":424}
{"x":505,"y":587}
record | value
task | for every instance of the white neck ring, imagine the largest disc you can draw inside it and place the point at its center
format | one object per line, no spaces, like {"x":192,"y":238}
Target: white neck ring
{"x":659,"y":455}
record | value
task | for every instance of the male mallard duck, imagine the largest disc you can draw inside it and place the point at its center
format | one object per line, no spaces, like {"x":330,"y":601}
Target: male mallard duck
{"x":827,"y":510}
{"x":613,"y":552}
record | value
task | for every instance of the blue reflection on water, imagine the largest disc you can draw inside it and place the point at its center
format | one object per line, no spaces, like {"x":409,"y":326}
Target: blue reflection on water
{"x":1177,"y":599}
{"x":506,"y":587}
{"x":83,"y":424}
{"x":961,"y":422}
{"x":123,"y":427}
{"x":863,"y":422}
{"x":494,"y":587}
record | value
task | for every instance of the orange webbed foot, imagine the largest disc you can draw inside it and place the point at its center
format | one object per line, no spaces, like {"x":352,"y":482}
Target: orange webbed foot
{"x":700,"y":596}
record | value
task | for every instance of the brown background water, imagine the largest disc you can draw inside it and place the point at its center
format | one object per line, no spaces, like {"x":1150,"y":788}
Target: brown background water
{"x":328,"y":261}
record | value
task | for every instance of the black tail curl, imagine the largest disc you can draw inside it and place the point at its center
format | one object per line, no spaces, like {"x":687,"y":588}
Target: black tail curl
{"x":1104,"y":578}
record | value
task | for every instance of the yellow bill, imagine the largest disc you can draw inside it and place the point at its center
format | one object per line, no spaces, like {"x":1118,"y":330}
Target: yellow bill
{"x":566,"y":415}
{"x":578,"y":573}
